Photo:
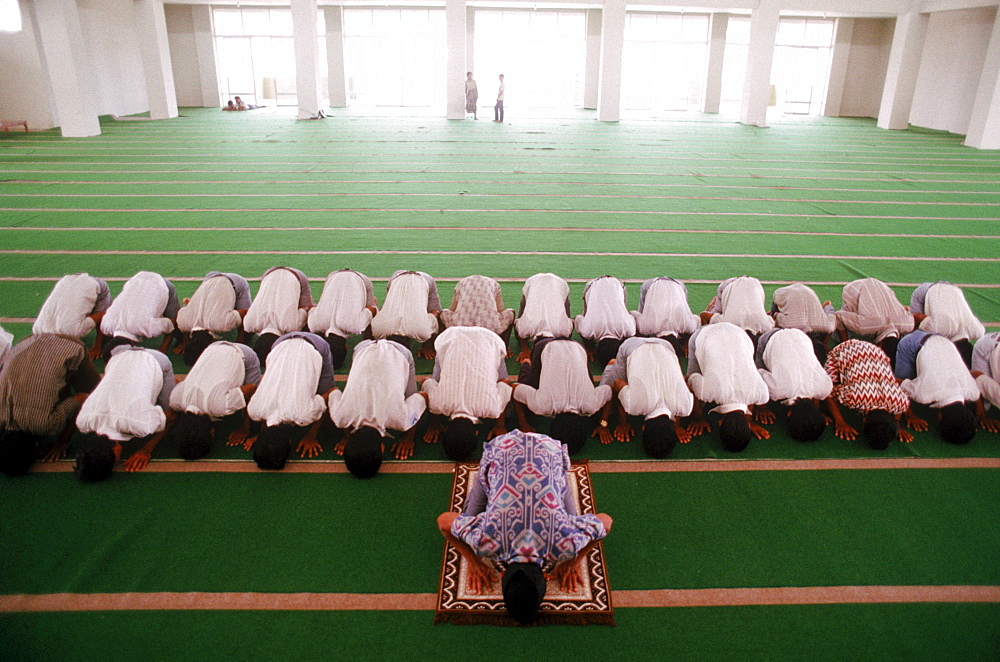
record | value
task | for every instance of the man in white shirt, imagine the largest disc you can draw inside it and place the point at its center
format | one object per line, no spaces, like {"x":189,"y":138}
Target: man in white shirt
{"x":146,"y":308}
{"x":469,"y":383}
{"x":131,"y":402}
{"x":478,"y":301}
{"x":721,"y":370}
{"x":75,"y":307}
{"x":345,"y":309}
{"x":544,"y":312}
{"x":605,"y":321}
{"x":498,"y":107}
{"x":216,"y":307}
{"x":986,"y":370}
{"x":796,"y":306}
{"x":410,"y":311}
{"x":225,"y":375}
{"x":941,"y":308}
{"x":380,"y":395}
{"x":555,"y":382}
{"x":740,"y":301}
{"x":281,"y":306}
{"x":647,"y":380}
{"x":664,"y":311}
{"x":871,"y":310}
{"x":786,"y":360}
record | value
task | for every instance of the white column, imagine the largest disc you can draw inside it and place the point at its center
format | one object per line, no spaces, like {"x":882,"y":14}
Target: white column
{"x":336,"y":76}
{"x":984,"y":123}
{"x":64,"y":55}
{"x":838,"y":66}
{"x":305,"y":14}
{"x":716,"y":57}
{"x":454,"y":16}
{"x":757,"y":86}
{"x":151,"y":28}
{"x":612,"y":47}
{"x":204,"y":44}
{"x":470,"y":40}
{"x":901,"y":75}
{"x":592,"y":66}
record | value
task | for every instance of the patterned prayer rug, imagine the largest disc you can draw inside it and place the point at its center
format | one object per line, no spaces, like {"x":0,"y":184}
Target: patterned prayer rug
{"x":589,"y":604}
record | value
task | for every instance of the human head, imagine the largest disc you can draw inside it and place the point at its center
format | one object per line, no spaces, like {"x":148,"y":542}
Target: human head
{"x":111,"y":343}
{"x":735,"y":431}
{"x":459,"y":439}
{"x":263,"y":346}
{"x":274,"y":444}
{"x":805,"y":421}
{"x":338,"y":349}
{"x":230,"y":104}
{"x":195,"y":345}
{"x":17,"y":452}
{"x":192,"y":434}
{"x":238,"y":100}
{"x":964,"y":348}
{"x":819,"y":346}
{"x":570,"y":429}
{"x":402,"y":340}
{"x":607,"y":349}
{"x":523,"y":587}
{"x":659,"y":436}
{"x":96,"y":458}
{"x":501,"y":76}
{"x":880,"y":428}
{"x":468,"y":74}
{"x":889,"y":346}
{"x":958,"y":423}
{"x":363,"y":452}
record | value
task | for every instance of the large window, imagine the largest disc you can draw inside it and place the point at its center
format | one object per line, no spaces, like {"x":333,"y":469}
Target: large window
{"x":541,"y":54}
{"x":395,"y":57}
{"x":256,"y":55}
{"x":665,"y":58}
{"x":734,"y":64}
{"x":801,"y":68}
{"x":10,"y":16}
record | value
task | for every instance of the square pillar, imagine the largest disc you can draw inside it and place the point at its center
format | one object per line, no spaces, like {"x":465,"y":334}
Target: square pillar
{"x":592,"y":66}
{"x":716,"y":57}
{"x":204,"y":44}
{"x":151,"y":26}
{"x":305,"y":15}
{"x":838,"y":66}
{"x":336,"y":76}
{"x":901,"y":76}
{"x":455,"y":14}
{"x":984,"y":123}
{"x":612,"y":48}
{"x":757,"y":86}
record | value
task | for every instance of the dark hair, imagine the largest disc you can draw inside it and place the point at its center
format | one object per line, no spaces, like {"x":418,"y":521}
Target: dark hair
{"x":819,"y":346}
{"x":95,"y":459}
{"x":195,"y":345}
{"x":958,"y":423}
{"x":880,"y":429}
{"x":459,"y":439}
{"x":17,"y":452}
{"x":659,"y":438}
{"x":263,"y":346}
{"x":402,"y":340}
{"x":607,"y":349}
{"x":338,"y":349}
{"x":805,"y":421}
{"x":112,"y":342}
{"x":273,"y":445}
{"x":523,"y":587}
{"x":735,"y":431}
{"x":193,"y":435}
{"x":570,"y":429}
{"x":964,"y":348}
{"x":889,"y":346}
{"x":363,"y":452}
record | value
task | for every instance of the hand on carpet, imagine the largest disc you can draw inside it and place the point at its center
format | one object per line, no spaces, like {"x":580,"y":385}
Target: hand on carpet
{"x":845,"y":432}
{"x":402,"y":449}
{"x":308,"y":448}
{"x":480,"y":576}
{"x":568,"y":575}
{"x":758,"y":431}
{"x":341,"y":445}
{"x":138,"y":461}
{"x":624,"y":432}
{"x":56,"y":453}
{"x":699,"y":427}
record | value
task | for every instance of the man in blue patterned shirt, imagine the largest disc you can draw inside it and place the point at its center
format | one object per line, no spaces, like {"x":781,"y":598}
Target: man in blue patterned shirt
{"x":521,"y":516}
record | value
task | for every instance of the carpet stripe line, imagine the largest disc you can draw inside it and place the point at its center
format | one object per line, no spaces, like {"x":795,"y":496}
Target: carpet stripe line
{"x":780,"y":256}
{"x":712,"y":597}
{"x":597,"y":466}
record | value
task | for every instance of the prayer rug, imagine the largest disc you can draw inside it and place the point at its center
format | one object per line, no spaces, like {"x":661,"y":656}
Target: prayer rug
{"x":589,"y":604}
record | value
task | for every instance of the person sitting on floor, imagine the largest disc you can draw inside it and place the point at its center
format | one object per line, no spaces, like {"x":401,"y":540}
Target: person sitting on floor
{"x":478,"y":301}
{"x":863,"y":381}
{"x":521,"y":516}
{"x":216,"y":307}
{"x":796,"y":306}
{"x":786,"y":360}
{"x":543,"y":313}
{"x":131,"y":402}
{"x":556,"y":382}
{"x":664,"y":311}
{"x":74,"y":308}
{"x":986,"y":370}
{"x":42,"y":386}
{"x":230,"y":106}
{"x":291,"y":398}
{"x":647,"y":380}
{"x":281,"y":306}
{"x":225,"y":375}
{"x":933,"y":373}
{"x":721,"y":370}
{"x":871,"y":310}
{"x":410,"y":311}
{"x":469,"y":383}
{"x":739,"y":301}
{"x":941,"y":308}
{"x":147,"y":307}
{"x":380,"y":394}
{"x":345,"y":309}
{"x":605,"y":321}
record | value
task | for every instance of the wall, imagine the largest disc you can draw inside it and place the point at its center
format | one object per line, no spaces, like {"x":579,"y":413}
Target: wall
{"x":184,"y":55}
{"x":871,"y":42}
{"x":119,"y":80}
{"x":950,"y":67}
{"x":23,"y":79}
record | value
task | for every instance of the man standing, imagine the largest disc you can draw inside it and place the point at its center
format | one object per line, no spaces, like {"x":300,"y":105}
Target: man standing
{"x":498,"y":108}
{"x":471,"y":95}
